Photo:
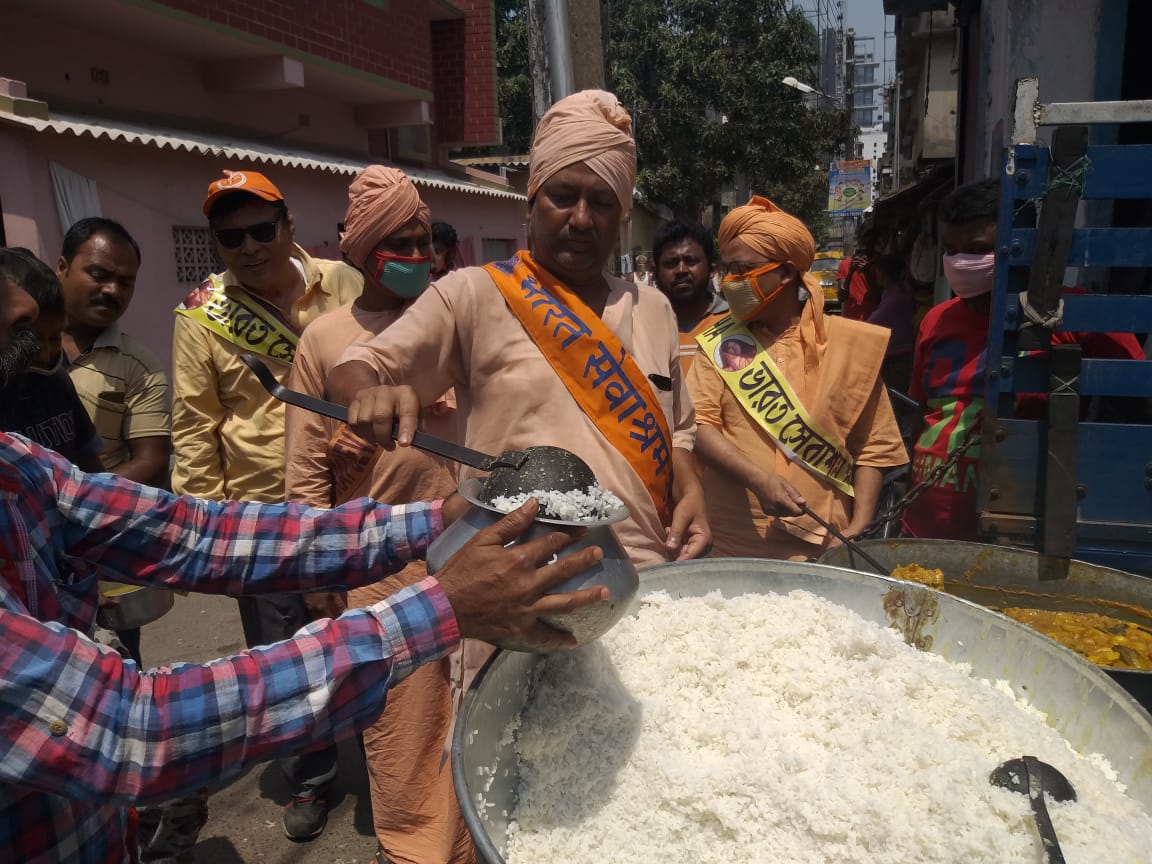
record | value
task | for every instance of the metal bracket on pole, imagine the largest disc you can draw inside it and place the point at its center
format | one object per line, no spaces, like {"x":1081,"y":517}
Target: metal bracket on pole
{"x":1030,"y":113}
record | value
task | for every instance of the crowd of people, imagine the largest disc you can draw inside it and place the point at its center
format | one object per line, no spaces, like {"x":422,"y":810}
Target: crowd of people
{"x":730,"y":422}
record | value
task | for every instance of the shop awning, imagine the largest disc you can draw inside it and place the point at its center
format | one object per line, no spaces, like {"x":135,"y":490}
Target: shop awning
{"x":208,"y":144}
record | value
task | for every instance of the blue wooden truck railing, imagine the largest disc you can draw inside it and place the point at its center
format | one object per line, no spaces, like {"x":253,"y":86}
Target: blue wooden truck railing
{"x":1066,"y":486}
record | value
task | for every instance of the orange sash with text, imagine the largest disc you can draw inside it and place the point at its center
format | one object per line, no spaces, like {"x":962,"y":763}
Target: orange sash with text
{"x":601,"y":376}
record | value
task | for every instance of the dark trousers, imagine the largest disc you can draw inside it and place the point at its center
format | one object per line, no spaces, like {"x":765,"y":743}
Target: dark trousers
{"x":273,"y":618}
{"x":130,"y":639}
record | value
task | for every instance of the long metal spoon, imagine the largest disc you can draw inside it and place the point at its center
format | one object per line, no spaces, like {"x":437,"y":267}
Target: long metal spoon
{"x":514,"y":471}
{"x":1029,"y":776}
{"x":852,"y":546}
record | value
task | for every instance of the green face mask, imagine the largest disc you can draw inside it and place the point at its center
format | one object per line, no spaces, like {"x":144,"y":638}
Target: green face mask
{"x":403,"y":275}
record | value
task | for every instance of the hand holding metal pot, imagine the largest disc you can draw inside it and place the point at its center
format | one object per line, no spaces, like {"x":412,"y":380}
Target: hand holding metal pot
{"x":498,"y":592}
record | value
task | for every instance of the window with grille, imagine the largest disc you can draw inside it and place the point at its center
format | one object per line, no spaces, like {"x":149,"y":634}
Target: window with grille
{"x":196,"y":257}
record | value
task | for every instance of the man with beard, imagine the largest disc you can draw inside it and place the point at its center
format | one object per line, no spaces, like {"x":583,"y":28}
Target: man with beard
{"x":85,"y":735}
{"x":120,"y":381}
{"x":41,"y":403}
{"x":683,"y":254}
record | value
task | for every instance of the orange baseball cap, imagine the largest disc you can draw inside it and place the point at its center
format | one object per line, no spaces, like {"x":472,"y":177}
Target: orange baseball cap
{"x":252,"y":182}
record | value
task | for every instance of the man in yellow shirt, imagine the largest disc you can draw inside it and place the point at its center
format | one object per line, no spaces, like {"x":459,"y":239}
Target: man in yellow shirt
{"x":228,"y":433}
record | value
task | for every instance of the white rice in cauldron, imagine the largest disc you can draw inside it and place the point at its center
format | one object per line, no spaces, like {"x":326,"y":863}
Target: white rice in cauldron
{"x":785,"y":728}
{"x":576,"y":505}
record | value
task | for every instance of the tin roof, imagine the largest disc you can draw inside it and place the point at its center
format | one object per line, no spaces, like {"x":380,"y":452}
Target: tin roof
{"x":235,"y":148}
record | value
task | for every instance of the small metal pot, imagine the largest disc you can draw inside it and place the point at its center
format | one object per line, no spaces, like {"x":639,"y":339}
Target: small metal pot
{"x":614,"y":571}
{"x":135,"y":607}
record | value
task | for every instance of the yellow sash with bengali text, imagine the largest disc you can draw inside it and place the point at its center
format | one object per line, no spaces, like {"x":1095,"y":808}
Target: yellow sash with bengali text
{"x":601,"y":376}
{"x":240,"y":319}
{"x":764,"y":393}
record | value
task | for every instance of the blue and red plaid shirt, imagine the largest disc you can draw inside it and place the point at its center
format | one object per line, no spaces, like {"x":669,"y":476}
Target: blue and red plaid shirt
{"x":84,"y":735}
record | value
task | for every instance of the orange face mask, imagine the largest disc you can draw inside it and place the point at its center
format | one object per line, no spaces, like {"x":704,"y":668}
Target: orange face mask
{"x":743,"y":293}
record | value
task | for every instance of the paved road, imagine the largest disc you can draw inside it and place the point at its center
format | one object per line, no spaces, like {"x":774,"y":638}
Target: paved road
{"x":244,"y":818}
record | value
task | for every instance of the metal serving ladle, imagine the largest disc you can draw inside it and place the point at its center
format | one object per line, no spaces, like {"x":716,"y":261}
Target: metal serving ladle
{"x":853,"y":547}
{"x":513,"y":471}
{"x":1029,"y":776}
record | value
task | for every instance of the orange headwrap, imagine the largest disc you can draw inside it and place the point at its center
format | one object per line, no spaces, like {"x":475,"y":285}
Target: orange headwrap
{"x":380,"y":200}
{"x":773,"y":233}
{"x":780,"y":236}
{"x":590,"y":127}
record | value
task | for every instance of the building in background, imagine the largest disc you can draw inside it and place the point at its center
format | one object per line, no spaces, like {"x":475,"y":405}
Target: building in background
{"x":873,"y":144}
{"x":128,"y":108}
{"x":867,"y":84}
{"x":925,"y":101}
{"x":957,"y":65}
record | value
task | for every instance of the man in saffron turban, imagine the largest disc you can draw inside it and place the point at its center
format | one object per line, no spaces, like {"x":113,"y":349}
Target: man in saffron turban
{"x":807,"y":419}
{"x":547,"y":348}
{"x":387,"y":238}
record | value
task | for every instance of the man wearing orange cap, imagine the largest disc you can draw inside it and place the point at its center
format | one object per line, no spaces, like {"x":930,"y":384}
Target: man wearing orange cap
{"x":547,"y":348}
{"x":804,"y":418}
{"x":387,"y":238}
{"x":227,"y":432}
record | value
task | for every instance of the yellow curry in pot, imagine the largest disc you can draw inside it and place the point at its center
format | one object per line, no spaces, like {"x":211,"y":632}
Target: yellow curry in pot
{"x":1104,"y":640}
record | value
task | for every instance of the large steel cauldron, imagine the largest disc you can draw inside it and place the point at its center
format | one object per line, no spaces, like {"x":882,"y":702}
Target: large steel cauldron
{"x":1086,"y":706}
{"x":1000,"y":576}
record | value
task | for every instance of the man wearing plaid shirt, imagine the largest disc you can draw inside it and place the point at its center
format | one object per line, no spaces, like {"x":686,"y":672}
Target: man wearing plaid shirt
{"x":85,"y":735}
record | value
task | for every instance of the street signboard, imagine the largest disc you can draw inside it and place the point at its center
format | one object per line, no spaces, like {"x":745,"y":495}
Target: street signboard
{"x":849,"y":187}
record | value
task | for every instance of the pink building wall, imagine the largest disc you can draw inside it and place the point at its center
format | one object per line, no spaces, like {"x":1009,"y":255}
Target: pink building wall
{"x":150,"y":190}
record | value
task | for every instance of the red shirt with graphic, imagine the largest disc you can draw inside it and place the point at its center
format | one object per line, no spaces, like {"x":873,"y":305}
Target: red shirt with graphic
{"x":948,"y":377}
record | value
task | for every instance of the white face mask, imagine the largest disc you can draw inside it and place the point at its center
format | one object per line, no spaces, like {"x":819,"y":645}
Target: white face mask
{"x":969,"y":274}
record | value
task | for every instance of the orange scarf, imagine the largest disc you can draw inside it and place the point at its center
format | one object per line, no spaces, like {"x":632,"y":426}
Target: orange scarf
{"x":599,"y":374}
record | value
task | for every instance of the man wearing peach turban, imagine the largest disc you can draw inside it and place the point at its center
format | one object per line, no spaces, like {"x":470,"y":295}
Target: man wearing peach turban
{"x":756,"y":475}
{"x":547,"y":348}
{"x":387,"y":237}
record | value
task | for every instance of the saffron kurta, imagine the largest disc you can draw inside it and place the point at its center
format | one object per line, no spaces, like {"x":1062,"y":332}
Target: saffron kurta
{"x":461,"y":334}
{"x":414,"y":809}
{"x":830,"y":380}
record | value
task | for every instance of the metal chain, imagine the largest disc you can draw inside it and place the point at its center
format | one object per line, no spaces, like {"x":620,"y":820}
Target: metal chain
{"x":897,"y":510}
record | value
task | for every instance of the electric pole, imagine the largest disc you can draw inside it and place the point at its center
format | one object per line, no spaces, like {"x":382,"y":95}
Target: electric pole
{"x":566,"y":49}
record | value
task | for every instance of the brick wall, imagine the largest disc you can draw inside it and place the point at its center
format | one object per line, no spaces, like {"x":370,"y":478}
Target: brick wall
{"x":393,"y":42}
{"x":464,"y":68}
{"x":450,"y":74}
{"x":452,"y":58}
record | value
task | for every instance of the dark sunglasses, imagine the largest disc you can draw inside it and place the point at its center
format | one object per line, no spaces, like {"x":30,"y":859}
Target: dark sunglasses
{"x":261,"y":232}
